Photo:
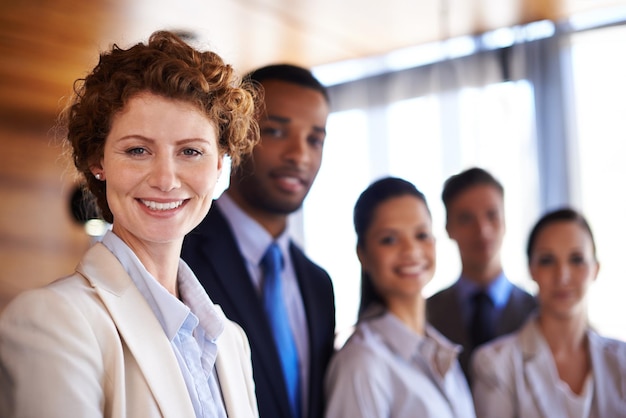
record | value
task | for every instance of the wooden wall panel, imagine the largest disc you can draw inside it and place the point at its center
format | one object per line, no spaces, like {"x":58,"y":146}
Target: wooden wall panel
{"x":39,"y":241}
{"x":46,"y":44}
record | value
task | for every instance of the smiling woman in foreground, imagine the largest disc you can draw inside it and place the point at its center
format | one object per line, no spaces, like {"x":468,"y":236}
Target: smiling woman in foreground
{"x":132,"y":333}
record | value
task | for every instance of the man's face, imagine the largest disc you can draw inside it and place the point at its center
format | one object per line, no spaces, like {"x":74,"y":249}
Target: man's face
{"x":278,"y":176}
{"x":476,"y":223}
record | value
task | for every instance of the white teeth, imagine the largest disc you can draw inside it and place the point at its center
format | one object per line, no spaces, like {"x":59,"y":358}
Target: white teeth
{"x":410,"y":270}
{"x":293,"y":180}
{"x":162,"y":206}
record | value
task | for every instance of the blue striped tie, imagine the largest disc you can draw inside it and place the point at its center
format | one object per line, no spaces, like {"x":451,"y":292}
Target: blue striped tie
{"x":276,"y":312}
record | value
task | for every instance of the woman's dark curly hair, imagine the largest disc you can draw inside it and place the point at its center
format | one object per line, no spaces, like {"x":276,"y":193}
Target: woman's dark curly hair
{"x":168,"y":67}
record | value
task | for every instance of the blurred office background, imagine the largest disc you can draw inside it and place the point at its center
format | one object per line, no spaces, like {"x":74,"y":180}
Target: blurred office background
{"x":532,"y":90}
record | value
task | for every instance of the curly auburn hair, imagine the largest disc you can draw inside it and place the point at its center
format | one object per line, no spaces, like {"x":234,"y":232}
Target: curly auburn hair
{"x":165,"y":66}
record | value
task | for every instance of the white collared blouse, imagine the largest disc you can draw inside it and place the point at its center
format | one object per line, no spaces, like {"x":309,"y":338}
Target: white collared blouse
{"x":387,"y":370}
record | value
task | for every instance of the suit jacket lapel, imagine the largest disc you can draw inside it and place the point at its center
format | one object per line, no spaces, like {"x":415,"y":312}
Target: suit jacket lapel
{"x":509,"y":314}
{"x":236,"y":392}
{"x":538,"y":369}
{"x":231,"y":272}
{"x":317,"y":297}
{"x":456,"y":324}
{"x":225,"y":257}
{"x":304,"y":283}
{"x":139,"y":329}
{"x":450,"y":322}
{"x":515,"y":312}
{"x":310,"y":306}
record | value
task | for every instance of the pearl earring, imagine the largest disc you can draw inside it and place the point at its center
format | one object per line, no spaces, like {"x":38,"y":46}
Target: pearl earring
{"x":98,"y":176}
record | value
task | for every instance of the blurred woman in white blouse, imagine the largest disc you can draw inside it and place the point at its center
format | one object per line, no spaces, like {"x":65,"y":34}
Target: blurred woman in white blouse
{"x":556,"y":365}
{"x":395,"y":364}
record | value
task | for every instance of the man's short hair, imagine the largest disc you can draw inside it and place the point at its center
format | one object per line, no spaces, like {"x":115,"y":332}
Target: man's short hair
{"x":289,"y":73}
{"x":458,"y":183}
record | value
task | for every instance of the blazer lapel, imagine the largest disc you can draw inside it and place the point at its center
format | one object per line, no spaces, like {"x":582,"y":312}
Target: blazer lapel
{"x":139,"y":329}
{"x":609,"y":397}
{"x":600,"y":375}
{"x":225,"y":257}
{"x":456,"y":322}
{"x":515,"y":313}
{"x":231,"y":272}
{"x":509,"y":315}
{"x":304,"y":283}
{"x":236,"y":391}
{"x":317,"y":297}
{"x":536,"y":361}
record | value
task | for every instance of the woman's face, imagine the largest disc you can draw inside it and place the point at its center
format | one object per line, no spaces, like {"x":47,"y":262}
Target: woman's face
{"x":564,"y":266}
{"x":160,"y":164}
{"x":398,"y":250}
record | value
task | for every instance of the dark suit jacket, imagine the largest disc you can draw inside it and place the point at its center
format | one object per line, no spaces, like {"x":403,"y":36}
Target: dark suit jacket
{"x":215,"y":258}
{"x":444,"y":313}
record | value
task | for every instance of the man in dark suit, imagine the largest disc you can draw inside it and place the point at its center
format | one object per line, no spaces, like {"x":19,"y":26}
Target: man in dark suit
{"x":227,"y":250}
{"x":482,"y":304}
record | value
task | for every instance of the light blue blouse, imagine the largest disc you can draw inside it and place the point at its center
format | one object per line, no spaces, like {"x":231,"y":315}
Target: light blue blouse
{"x":192,"y":327}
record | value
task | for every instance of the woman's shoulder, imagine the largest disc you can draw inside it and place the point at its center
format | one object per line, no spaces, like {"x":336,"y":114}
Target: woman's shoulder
{"x":499,"y":352}
{"x":233,"y":334}
{"x":363,"y":341}
{"x":363,"y":362}
{"x":501,"y":346}
{"x":363,"y":351}
{"x":66,"y":315}
{"x":66,"y":292}
{"x":609,"y":346}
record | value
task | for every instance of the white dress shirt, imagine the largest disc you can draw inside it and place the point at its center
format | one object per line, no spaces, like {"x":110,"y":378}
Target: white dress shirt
{"x":387,"y":370}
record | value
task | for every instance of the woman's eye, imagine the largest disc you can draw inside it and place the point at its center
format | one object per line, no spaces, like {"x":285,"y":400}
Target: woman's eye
{"x":423,"y":236}
{"x":191,"y":152}
{"x":387,"y":240}
{"x":544,"y":261}
{"x":136,"y":151}
{"x":577,"y":259}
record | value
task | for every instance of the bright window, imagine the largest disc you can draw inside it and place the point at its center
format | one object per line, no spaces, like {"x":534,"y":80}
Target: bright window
{"x":409,"y":139}
{"x":600,"y":87}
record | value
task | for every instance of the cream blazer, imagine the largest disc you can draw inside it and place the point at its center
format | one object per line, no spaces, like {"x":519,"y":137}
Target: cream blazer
{"x":514,"y":376}
{"x":90,"y":346}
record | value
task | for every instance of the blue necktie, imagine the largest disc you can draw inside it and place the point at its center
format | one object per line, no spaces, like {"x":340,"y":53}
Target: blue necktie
{"x":276,"y":312}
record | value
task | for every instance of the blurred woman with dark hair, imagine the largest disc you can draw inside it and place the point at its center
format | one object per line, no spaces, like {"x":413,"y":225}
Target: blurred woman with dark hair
{"x":556,"y":365}
{"x":395,"y":364}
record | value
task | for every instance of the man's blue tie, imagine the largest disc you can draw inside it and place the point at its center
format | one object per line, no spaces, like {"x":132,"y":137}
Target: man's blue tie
{"x":276,"y":312}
